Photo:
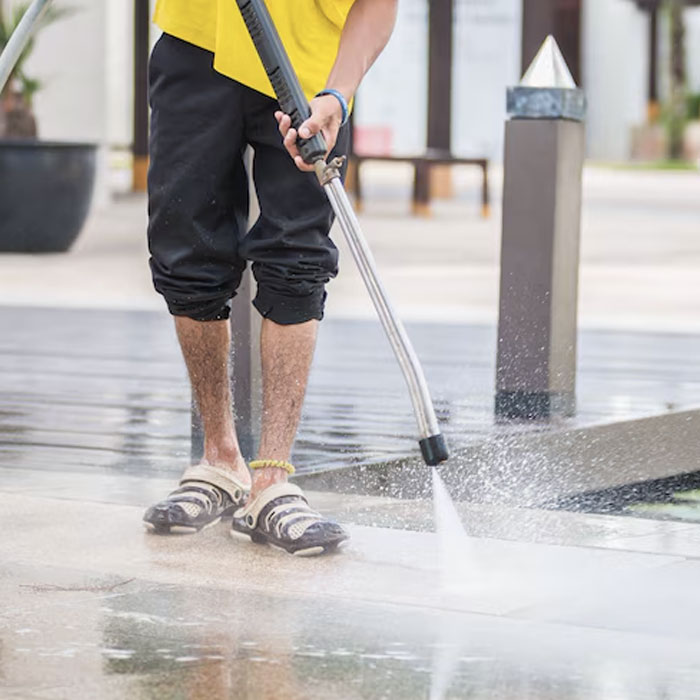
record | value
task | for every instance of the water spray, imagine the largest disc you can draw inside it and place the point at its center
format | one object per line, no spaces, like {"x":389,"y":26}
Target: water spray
{"x":313,"y":150}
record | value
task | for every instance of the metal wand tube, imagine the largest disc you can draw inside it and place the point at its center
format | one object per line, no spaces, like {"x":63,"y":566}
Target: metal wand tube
{"x":400,"y":343}
{"x":20,"y":37}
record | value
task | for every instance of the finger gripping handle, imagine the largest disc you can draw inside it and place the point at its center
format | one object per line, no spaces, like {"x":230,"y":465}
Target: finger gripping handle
{"x":281,"y":74}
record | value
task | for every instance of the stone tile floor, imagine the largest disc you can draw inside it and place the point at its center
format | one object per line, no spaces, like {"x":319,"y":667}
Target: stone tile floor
{"x":94,"y":426}
{"x":93,"y":607}
{"x":106,"y":390}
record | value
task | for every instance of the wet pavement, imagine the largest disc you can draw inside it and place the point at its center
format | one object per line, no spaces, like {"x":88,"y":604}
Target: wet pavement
{"x":149,"y":642}
{"x":94,"y":426}
{"x":106,"y":391}
{"x":94,"y":607}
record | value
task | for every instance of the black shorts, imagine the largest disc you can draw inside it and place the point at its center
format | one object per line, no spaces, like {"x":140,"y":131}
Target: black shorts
{"x":201,"y":123}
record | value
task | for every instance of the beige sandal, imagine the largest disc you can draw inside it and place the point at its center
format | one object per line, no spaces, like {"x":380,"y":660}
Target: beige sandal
{"x":281,"y":516}
{"x":205,"y":495}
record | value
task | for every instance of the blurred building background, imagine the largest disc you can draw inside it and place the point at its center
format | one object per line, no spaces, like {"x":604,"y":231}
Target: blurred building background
{"x":87,"y":63}
{"x":612,"y":63}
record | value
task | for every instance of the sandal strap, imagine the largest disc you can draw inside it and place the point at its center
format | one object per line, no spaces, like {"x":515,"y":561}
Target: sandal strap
{"x":305,"y":520}
{"x":282,"y":511}
{"x":208,"y":490}
{"x":197,"y":500}
{"x":220,"y":478}
{"x":275,"y":512}
{"x":252,"y":510}
{"x":208,"y":498}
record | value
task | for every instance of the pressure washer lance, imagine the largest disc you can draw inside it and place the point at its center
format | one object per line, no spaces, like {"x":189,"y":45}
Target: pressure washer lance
{"x":313,"y":150}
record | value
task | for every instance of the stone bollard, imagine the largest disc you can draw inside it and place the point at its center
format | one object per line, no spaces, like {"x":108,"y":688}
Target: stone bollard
{"x":246,"y":375}
{"x":544,"y":151}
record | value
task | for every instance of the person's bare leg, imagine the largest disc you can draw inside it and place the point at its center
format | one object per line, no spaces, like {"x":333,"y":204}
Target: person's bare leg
{"x":205,"y":347}
{"x":286,"y":353}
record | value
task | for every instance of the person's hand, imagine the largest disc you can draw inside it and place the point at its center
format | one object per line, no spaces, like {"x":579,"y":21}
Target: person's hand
{"x":326,"y":117}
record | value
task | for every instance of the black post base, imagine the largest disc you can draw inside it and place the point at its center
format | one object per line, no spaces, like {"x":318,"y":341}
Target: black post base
{"x":534,"y":405}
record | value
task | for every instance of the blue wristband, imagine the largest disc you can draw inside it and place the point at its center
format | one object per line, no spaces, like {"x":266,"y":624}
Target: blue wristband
{"x":343,"y":103}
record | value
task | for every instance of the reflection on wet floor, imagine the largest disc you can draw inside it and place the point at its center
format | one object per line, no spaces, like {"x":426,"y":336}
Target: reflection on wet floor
{"x":152,"y":642}
{"x":107,"y":390}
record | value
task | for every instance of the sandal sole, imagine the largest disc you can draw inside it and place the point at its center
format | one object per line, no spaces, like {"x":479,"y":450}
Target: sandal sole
{"x":311,"y":551}
{"x":179,"y":529}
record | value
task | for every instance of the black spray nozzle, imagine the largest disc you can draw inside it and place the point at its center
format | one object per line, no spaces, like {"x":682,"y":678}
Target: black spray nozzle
{"x":434,"y":449}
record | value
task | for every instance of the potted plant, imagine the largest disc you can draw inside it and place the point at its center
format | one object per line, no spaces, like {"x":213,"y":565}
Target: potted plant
{"x":45,"y":187}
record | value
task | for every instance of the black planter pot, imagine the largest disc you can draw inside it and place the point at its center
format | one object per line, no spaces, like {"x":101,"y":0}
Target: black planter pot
{"x":45,"y":194}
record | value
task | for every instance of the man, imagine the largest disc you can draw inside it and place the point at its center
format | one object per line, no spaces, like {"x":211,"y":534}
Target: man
{"x":210,"y":98}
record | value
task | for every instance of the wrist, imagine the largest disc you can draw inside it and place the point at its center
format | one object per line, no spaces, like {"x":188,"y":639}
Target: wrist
{"x":336,"y":94}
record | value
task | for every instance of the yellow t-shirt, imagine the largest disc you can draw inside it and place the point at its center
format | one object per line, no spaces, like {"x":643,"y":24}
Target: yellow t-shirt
{"x":310,"y":31}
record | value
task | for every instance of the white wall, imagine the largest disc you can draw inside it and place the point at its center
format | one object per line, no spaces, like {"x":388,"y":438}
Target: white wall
{"x":119,"y":65}
{"x":692,"y":43}
{"x":394,"y":93}
{"x":70,"y":59}
{"x":487,"y":43}
{"x":615,"y":65}
{"x":486,"y":48}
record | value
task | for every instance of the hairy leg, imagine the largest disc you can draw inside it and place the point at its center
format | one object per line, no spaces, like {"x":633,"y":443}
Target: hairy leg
{"x":286,"y":353}
{"x":205,"y":347}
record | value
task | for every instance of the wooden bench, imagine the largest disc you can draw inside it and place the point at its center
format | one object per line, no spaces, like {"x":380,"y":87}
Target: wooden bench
{"x":421,"y":178}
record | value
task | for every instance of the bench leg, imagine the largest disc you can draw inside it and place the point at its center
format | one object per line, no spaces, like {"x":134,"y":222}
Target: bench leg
{"x":485,"y":196}
{"x":353,"y":183}
{"x":351,"y":176}
{"x":421,"y":188}
{"x":441,"y":181}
